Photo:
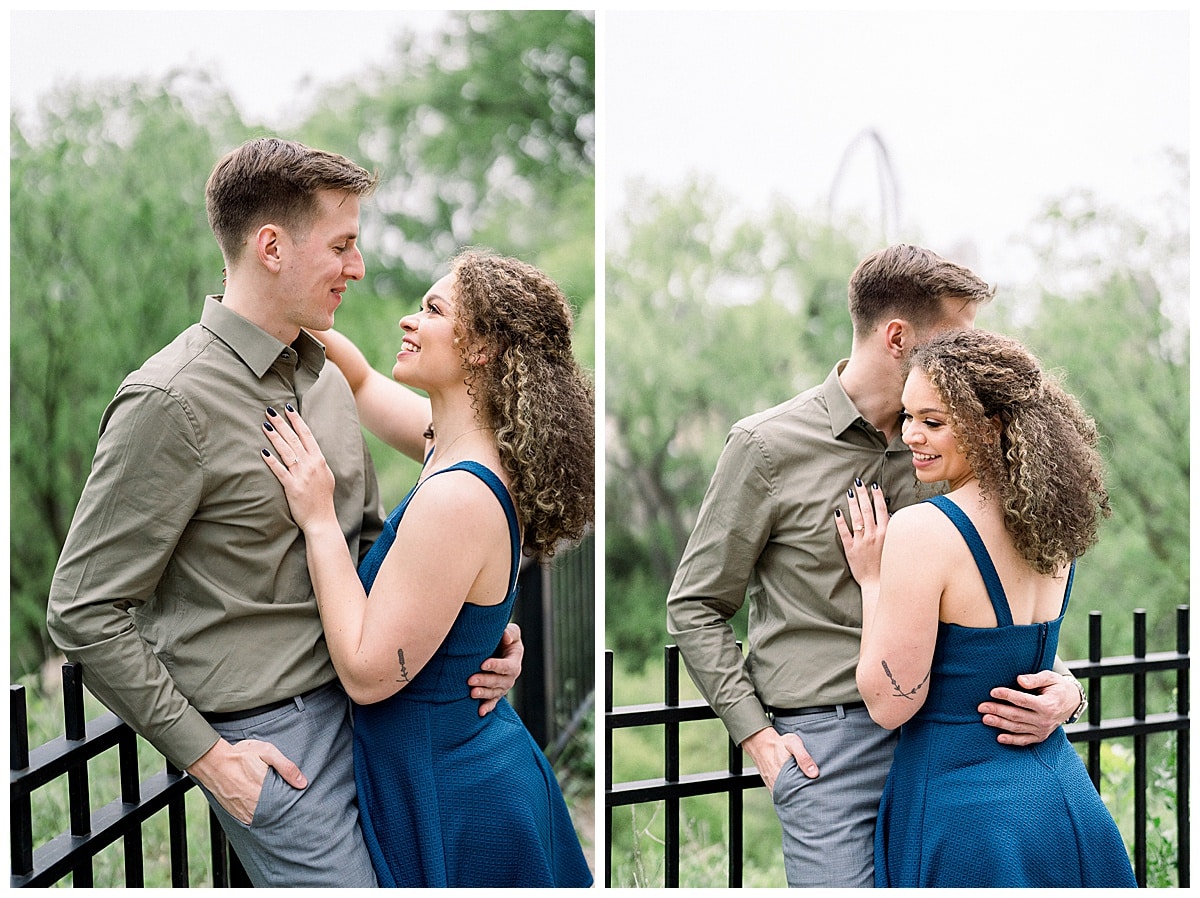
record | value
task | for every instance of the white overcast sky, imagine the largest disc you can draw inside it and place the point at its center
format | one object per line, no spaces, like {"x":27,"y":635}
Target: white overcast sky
{"x":267,"y":59}
{"x":985,"y":115}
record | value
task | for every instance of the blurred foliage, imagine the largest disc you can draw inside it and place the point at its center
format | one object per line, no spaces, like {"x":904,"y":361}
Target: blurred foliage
{"x":713,"y":313}
{"x":483,"y":135}
{"x":709,"y":316}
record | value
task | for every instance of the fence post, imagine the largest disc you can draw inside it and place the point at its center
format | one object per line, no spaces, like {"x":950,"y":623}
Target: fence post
{"x":671,"y":835}
{"x":1095,"y":696}
{"x":21,"y":813}
{"x":1140,"y":759}
{"x":78,"y":799}
{"x":534,"y":617}
{"x":1183,"y":753}
{"x":608,"y":753}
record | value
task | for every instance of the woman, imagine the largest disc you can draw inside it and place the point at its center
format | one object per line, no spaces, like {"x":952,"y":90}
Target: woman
{"x":968,"y":590}
{"x":449,"y":797}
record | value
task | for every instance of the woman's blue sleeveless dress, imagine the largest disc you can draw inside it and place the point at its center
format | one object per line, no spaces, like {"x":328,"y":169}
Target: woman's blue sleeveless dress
{"x":449,"y":798}
{"x":959,"y":809}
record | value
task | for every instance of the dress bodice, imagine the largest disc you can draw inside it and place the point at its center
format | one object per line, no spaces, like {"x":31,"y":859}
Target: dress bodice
{"x":474,"y":634}
{"x":969,"y":662}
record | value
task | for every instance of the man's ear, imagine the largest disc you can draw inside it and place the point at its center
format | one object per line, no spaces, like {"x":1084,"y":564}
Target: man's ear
{"x":267,"y":247}
{"x":898,"y":337}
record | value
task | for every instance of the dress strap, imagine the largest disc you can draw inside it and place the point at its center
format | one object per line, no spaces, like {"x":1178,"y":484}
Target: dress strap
{"x":1067,"y":594}
{"x":983,"y":560}
{"x":494,"y":483}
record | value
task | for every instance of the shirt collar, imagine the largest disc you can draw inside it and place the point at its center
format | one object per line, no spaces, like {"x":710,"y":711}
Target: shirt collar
{"x":254,"y":346}
{"x":842,"y":412}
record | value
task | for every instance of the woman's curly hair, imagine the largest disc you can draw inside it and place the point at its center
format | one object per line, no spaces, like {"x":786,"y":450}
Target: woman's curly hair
{"x":530,"y":390}
{"x":1042,"y":464}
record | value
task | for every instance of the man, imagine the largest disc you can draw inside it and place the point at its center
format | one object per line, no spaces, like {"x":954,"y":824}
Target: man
{"x":183,"y":587}
{"x":765,"y":535}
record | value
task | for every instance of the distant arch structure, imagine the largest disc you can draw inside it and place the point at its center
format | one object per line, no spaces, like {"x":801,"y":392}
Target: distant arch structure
{"x":889,"y":191}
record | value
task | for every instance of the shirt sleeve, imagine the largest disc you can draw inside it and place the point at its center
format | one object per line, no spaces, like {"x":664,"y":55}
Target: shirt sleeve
{"x":734,"y":523}
{"x":144,"y":486}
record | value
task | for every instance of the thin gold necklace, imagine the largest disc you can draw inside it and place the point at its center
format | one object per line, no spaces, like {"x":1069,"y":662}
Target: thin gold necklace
{"x":455,"y":440}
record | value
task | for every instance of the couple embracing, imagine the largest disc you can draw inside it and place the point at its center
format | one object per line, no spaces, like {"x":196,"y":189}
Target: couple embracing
{"x":236,"y":594}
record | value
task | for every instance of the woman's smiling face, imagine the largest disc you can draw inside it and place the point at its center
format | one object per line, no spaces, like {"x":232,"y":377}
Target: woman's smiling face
{"x":929,"y":433}
{"x":429,"y":353}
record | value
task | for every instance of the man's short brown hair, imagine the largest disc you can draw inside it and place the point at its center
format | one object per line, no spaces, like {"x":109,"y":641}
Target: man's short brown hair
{"x":909,"y":282}
{"x":269,"y":179}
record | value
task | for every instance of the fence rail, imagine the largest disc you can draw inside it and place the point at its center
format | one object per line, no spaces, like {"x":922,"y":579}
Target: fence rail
{"x":673,"y":786}
{"x":556,"y":690}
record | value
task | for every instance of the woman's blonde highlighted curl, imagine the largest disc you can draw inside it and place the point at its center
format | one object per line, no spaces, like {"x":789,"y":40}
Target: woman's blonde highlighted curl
{"x":1040,"y":463}
{"x":513,"y":327}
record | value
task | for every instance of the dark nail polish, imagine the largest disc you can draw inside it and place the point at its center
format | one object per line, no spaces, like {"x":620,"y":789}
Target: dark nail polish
{"x":858,"y":482}
{"x":289,"y":407}
{"x":850,"y":493}
{"x":267,"y":426}
{"x":874,"y":486}
{"x":266,"y":454}
{"x":272,"y":412}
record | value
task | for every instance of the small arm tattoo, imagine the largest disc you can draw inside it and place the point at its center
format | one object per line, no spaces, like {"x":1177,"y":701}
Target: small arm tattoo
{"x":900,"y":693}
{"x":403,"y":669}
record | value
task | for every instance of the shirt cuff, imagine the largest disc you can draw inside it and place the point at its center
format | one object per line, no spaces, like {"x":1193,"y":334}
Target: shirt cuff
{"x":745,"y":718}
{"x":186,"y":740}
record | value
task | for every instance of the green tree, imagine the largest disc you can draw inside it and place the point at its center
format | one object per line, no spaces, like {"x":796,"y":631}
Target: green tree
{"x":485,"y":134}
{"x":710,"y":317}
{"x":1110,"y":314}
{"x":110,"y":257}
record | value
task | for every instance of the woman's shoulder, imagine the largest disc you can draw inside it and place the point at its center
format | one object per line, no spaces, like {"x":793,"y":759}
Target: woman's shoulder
{"x":917,"y":516}
{"x":464,"y":487}
{"x":914,"y":528}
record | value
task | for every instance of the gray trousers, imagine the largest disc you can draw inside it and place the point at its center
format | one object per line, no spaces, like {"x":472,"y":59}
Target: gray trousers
{"x":829,"y":822}
{"x":310,"y":836}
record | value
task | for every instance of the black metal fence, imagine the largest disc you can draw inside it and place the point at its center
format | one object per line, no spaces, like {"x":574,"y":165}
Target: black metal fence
{"x":673,"y":786}
{"x":122,"y":819}
{"x":555,"y":693}
{"x":557,"y":614}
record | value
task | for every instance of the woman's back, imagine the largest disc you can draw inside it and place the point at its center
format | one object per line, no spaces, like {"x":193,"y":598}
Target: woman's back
{"x":1032,"y":597}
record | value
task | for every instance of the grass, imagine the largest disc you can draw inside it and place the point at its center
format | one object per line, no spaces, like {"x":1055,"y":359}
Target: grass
{"x":638,"y":855}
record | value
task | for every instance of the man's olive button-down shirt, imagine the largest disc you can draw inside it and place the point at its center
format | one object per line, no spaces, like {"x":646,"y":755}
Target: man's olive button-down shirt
{"x":183,"y":585}
{"x":765,"y":536}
